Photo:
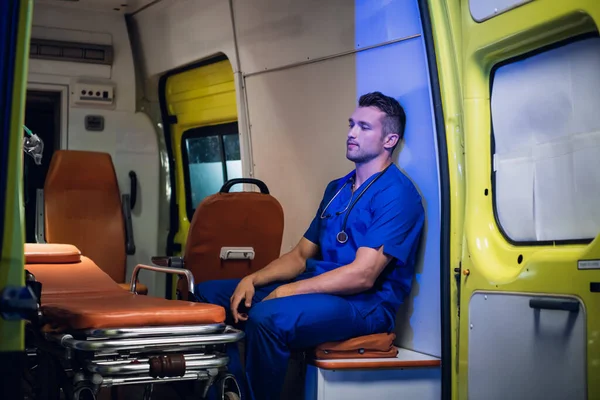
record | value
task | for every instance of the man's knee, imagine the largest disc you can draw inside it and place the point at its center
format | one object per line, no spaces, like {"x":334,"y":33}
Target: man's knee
{"x":268,"y":316}
{"x":205,"y":291}
{"x":216,"y":292}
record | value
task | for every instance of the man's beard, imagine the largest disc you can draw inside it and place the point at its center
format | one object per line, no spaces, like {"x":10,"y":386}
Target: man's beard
{"x":360,"y":158}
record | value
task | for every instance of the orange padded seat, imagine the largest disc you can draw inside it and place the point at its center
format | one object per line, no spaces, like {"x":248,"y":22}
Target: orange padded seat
{"x":380,"y":345}
{"x":38,"y":253}
{"x":77,"y":295}
{"x":369,"y":352}
{"x":404,"y":359}
{"x":82,"y":206}
{"x":242,"y":219}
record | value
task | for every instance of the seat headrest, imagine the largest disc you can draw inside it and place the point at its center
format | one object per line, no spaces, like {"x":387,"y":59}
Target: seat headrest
{"x":77,"y":169}
{"x":46,"y":253}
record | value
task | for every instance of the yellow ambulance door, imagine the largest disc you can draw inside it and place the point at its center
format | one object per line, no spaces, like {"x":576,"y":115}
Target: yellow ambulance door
{"x":530,"y":272}
{"x":15,"y":27}
{"x":201,"y":126}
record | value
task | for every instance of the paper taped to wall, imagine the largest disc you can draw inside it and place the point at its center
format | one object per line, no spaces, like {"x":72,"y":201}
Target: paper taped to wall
{"x":547,"y":144}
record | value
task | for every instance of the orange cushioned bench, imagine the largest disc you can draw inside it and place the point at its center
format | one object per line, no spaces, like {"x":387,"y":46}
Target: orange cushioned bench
{"x":371,"y":367}
{"x":371,"y":351}
{"x":104,"y":333}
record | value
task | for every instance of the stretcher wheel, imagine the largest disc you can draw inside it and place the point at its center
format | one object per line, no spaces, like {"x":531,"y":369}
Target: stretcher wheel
{"x":84,"y":393}
{"x":228,"y":388}
{"x":232,"y":396}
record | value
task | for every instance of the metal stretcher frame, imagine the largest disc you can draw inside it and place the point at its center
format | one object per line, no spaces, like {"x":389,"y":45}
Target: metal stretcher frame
{"x":93,"y":358}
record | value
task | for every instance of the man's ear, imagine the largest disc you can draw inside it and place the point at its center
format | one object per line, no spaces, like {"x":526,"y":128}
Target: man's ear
{"x":391,"y":140}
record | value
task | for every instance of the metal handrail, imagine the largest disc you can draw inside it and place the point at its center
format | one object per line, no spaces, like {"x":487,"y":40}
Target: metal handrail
{"x":167,"y":270}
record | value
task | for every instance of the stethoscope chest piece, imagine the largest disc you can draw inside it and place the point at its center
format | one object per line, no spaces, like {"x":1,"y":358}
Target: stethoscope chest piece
{"x":342,"y":237}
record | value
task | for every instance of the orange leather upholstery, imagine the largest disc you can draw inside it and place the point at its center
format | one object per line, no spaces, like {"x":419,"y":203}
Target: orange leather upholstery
{"x":375,"y":351}
{"x":37,"y":253}
{"x":404,"y":359}
{"x":77,"y":294}
{"x":73,"y":280}
{"x":243,"y":219}
{"x":127,"y":310}
{"x":140,"y":288}
{"x":379,"y":345}
{"x":82,"y":206}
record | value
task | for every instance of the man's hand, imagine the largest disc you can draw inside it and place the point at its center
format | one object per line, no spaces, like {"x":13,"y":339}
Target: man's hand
{"x":244,"y":290}
{"x":281,"y":291}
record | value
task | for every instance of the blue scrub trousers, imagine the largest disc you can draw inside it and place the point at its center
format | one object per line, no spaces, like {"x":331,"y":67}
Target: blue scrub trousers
{"x":278,"y":326}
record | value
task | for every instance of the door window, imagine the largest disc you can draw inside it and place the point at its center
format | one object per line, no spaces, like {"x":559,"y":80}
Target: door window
{"x":211,"y":157}
{"x":546,"y":135}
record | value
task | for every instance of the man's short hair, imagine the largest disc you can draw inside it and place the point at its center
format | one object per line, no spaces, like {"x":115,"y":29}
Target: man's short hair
{"x":395,"y":119}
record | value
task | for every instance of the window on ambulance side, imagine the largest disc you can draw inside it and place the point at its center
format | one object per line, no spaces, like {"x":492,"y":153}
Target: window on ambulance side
{"x":545,"y":111}
{"x":211,"y":156}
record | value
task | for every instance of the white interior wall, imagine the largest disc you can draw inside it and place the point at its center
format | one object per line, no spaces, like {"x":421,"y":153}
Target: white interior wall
{"x":299,"y":119}
{"x":128,"y":135}
{"x":275,"y":33}
{"x":173,"y":33}
{"x":297,"y":114}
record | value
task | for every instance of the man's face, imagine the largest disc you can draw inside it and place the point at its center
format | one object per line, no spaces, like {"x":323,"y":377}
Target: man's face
{"x":365,"y":139}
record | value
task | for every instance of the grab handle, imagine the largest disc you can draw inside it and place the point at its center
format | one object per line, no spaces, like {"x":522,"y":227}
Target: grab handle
{"x":261,"y":185}
{"x":133,"y":184}
{"x":549,"y":303}
{"x":237,"y":253}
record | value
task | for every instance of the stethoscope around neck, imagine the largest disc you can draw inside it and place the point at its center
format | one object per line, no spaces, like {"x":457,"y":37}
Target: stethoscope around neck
{"x":342,"y":236}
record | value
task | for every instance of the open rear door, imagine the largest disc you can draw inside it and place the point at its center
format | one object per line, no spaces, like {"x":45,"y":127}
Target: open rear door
{"x":15,"y":21}
{"x":530,"y":271}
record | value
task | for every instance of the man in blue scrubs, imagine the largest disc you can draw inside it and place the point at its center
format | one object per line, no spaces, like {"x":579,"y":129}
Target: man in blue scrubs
{"x":348,"y":274}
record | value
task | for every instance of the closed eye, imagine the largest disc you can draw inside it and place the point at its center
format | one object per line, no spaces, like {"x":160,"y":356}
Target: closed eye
{"x":363,"y":125}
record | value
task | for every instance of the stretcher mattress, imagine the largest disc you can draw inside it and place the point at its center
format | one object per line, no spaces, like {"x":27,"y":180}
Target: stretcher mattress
{"x":59,"y":258}
{"x":126,"y":310}
{"x":78,"y":295}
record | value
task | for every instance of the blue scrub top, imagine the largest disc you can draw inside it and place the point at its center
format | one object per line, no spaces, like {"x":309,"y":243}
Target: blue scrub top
{"x":390,"y":214}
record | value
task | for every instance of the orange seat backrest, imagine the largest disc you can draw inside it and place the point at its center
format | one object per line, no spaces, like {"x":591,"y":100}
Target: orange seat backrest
{"x":243,"y":219}
{"x":82,"y":206}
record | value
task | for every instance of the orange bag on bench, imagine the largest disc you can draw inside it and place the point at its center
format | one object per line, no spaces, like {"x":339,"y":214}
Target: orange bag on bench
{"x":379,"y":345}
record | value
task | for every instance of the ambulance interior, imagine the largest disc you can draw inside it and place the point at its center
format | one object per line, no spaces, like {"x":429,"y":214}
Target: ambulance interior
{"x":173,"y":98}
{"x":154,"y":85}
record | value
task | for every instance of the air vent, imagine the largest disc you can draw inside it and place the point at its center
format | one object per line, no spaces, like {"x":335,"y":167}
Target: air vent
{"x":71,"y":51}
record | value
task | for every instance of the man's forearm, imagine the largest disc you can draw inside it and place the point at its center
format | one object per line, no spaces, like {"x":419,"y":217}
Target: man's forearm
{"x":345,"y":280}
{"x":285,"y":268}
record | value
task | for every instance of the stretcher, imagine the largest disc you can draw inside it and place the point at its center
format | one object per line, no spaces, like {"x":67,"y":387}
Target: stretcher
{"x":90,"y":333}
